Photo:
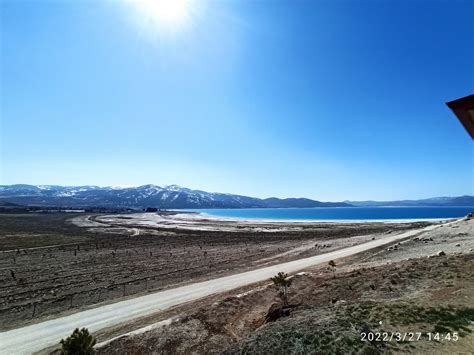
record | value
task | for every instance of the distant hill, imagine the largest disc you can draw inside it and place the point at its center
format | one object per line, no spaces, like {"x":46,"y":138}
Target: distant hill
{"x":459,"y":201}
{"x":169,"y":197}
{"x":274,"y":202}
{"x":8,"y":204}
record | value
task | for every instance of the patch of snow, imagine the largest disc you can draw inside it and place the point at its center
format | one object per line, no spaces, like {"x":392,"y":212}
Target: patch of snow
{"x":176,"y":195}
{"x":44,"y":187}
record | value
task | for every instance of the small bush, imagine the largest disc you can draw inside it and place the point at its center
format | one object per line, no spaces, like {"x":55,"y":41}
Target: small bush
{"x":281,"y":281}
{"x":332,"y":265}
{"x":80,"y":342}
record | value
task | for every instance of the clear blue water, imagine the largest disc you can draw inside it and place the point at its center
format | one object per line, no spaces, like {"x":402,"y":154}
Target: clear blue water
{"x":340,"y":213}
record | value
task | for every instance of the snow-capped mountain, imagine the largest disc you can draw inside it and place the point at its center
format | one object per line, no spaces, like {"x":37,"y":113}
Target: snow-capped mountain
{"x":171,"y":196}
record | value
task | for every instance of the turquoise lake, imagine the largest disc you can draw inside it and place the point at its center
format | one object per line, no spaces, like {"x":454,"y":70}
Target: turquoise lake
{"x":340,"y":213}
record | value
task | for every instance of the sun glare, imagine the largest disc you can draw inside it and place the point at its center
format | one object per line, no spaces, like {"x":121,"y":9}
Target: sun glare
{"x":165,"y":13}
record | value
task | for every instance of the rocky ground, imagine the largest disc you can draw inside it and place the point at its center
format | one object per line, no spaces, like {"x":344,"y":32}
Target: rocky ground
{"x":424,"y":285}
{"x":58,"y":262}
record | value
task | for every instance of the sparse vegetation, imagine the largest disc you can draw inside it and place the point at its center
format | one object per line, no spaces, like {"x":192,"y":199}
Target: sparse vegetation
{"x":151,"y":260}
{"x":327,"y":315}
{"x":324,"y":330}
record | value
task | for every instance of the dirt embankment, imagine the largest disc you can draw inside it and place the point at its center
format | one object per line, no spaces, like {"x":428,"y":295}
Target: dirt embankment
{"x":407,"y":289}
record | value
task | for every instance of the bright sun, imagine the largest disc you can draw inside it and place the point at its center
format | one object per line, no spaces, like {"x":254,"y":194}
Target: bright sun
{"x":166,"y":13}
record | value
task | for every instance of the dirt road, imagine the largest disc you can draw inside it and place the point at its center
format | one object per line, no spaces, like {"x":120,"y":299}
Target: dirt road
{"x":38,"y":336}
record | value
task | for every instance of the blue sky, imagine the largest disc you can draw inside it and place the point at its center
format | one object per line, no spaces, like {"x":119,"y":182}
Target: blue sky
{"x":329,"y":100}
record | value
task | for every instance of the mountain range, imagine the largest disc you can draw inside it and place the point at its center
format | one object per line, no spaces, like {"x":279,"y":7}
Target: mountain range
{"x":174,"y":196}
{"x":171,"y":196}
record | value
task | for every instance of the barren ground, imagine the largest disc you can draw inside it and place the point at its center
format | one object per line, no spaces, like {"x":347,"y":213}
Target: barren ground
{"x":402,"y":288}
{"x":59,"y":263}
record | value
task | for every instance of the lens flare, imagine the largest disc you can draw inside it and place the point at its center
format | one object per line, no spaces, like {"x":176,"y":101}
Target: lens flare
{"x":169,"y":15}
